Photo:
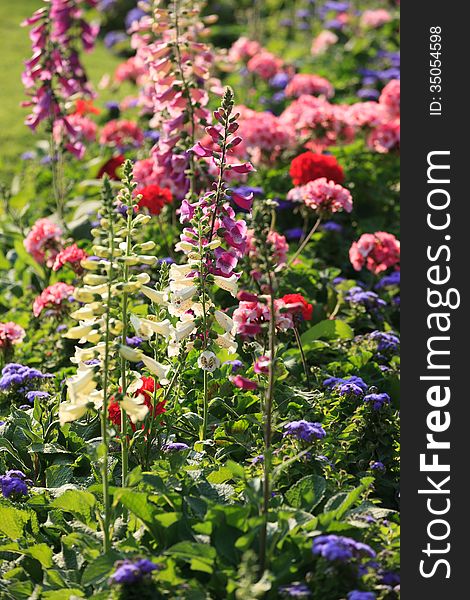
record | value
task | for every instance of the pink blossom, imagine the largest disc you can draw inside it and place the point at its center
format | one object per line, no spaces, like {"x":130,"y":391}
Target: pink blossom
{"x":375,"y":18}
{"x":265,"y":64}
{"x":376,"y":251}
{"x":71,"y":255}
{"x":10,"y":333}
{"x":385,"y":137}
{"x":390,"y":98}
{"x":304,"y":83}
{"x":243,"y":49}
{"x":146,"y":172}
{"x":261,"y":365}
{"x":133,"y":69}
{"x":44,"y":241}
{"x":250,"y":316}
{"x":243,"y":383}
{"x":323,"y":195}
{"x":52,"y":298}
{"x":322,"y":42}
{"x":122,"y":133}
{"x":225,"y":261}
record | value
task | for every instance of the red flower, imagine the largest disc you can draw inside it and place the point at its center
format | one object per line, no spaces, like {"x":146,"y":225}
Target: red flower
{"x":148,"y":388}
{"x":309,"y":166}
{"x":110,"y":167}
{"x":154,"y":198}
{"x":297,"y":305}
{"x":83,"y":107}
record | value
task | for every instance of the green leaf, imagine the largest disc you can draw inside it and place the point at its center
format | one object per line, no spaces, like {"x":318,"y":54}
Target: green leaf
{"x":58,"y":475}
{"x":100,"y":569}
{"x":221,"y":476}
{"x":13,"y":521}
{"x":201,"y":557}
{"x":328,"y":329}
{"x":77,"y":502}
{"x":63,"y":594}
{"x":307,"y":493}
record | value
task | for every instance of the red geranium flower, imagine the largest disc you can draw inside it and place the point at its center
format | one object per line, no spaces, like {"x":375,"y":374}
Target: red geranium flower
{"x":83,"y":107}
{"x":148,"y":388}
{"x":309,"y":166}
{"x":298,"y":306}
{"x":154,"y":198}
{"x":111,"y":166}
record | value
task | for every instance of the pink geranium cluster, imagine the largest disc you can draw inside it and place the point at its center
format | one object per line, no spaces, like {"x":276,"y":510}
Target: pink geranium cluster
{"x":309,"y":117}
{"x":53,"y":298}
{"x":322,"y":42}
{"x":264,"y":64}
{"x":54,"y":73}
{"x":323,"y":196}
{"x":10,"y":333}
{"x":121,"y":133}
{"x":71,"y":255}
{"x":386,"y":135}
{"x":376,"y":251}
{"x":375,"y":18}
{"x":250,"y":316}
{"x":243,"y":49}
{"x":304,"y":83}
{"x":44,"y":241}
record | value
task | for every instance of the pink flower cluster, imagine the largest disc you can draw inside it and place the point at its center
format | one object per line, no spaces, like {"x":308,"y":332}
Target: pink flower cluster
{"x":304,"y":83}
{"x":71,"y":255}
{"x":10,"y":333}
{"x":52,"y":298}
{"x":84,"y":129}
{"x":323,"y":196}
{"x":375,"y":18}
{"x":386,"y":135}
{"x":264,"y":64}
{"x":44,"y":241}
{"x":278,"y":249}
{"x":250,"y":316}
{"x":376,"y":251}
{"x":133,"y":69}
{"x":243,"y":49}
{"x":322,"y":42}
{"x":54,"y":73}
{"x":121,"y":133}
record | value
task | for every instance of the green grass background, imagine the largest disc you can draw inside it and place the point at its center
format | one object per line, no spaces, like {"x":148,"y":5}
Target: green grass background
{"x":15,"y":137}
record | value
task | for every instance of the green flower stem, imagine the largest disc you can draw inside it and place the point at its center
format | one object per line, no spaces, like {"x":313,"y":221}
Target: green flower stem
{"x":305,"y":242}
{"x":302,"y":354}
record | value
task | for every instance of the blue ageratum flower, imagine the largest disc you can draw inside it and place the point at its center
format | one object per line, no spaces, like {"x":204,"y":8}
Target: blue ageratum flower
{"x":358,"y":595}
{"x":13,"y":484}
{"x":349,"y":386}
{"x":20,"y":378}
{"x":31,"y":396}
{"x":175,"y":447}
{"x":377,"y":401}
{"x":340,"y":548}
{"x":368,"y":299}
{"x":295,"y":590}
{"x":377,"y":466}
{"x":387,"y":341}
{"x":129,"y":572}
{"x":388,"y":281}
{"x":304,"y":430}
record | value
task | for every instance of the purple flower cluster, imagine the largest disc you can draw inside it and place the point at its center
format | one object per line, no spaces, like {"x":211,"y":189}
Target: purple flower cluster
{"x":377,"y":466}
{"x":20,"y":378}
{"x":388,"y":281}
{"x":353,"y":385}
{"x":368,"y":299}
{"x":33,"y":394}
{"x":295,"y":590}
{"x":175,"y":447}
{"x":358,"y":595}
{"x":340,"y":548}
{"x":377,"y":400}
{"x":304,"y":430}
{"x":129,"y":572}
{"x":386,"y":341}
{"x":13,"y":484}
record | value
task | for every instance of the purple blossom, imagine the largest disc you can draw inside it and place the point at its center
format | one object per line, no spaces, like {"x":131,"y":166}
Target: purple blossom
{"x":129,"y":572}
{"x":13,"y":484}
{"x":304,"y":430}
{"x":377,"y":400}
{"x":377,"y":466}
{"x":388,"y":281}
{"x":352,"y":385}
{"x":295,"y":590}
{"x":356,"y":295}
{"x":175,"y":447}
{"x":340,"y":548}
{"x":236,"y":364}
{"x":31,"y":396}
{"x":357,"y":595}
{"x":294,"y":234}
{"x":386,"y":341}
